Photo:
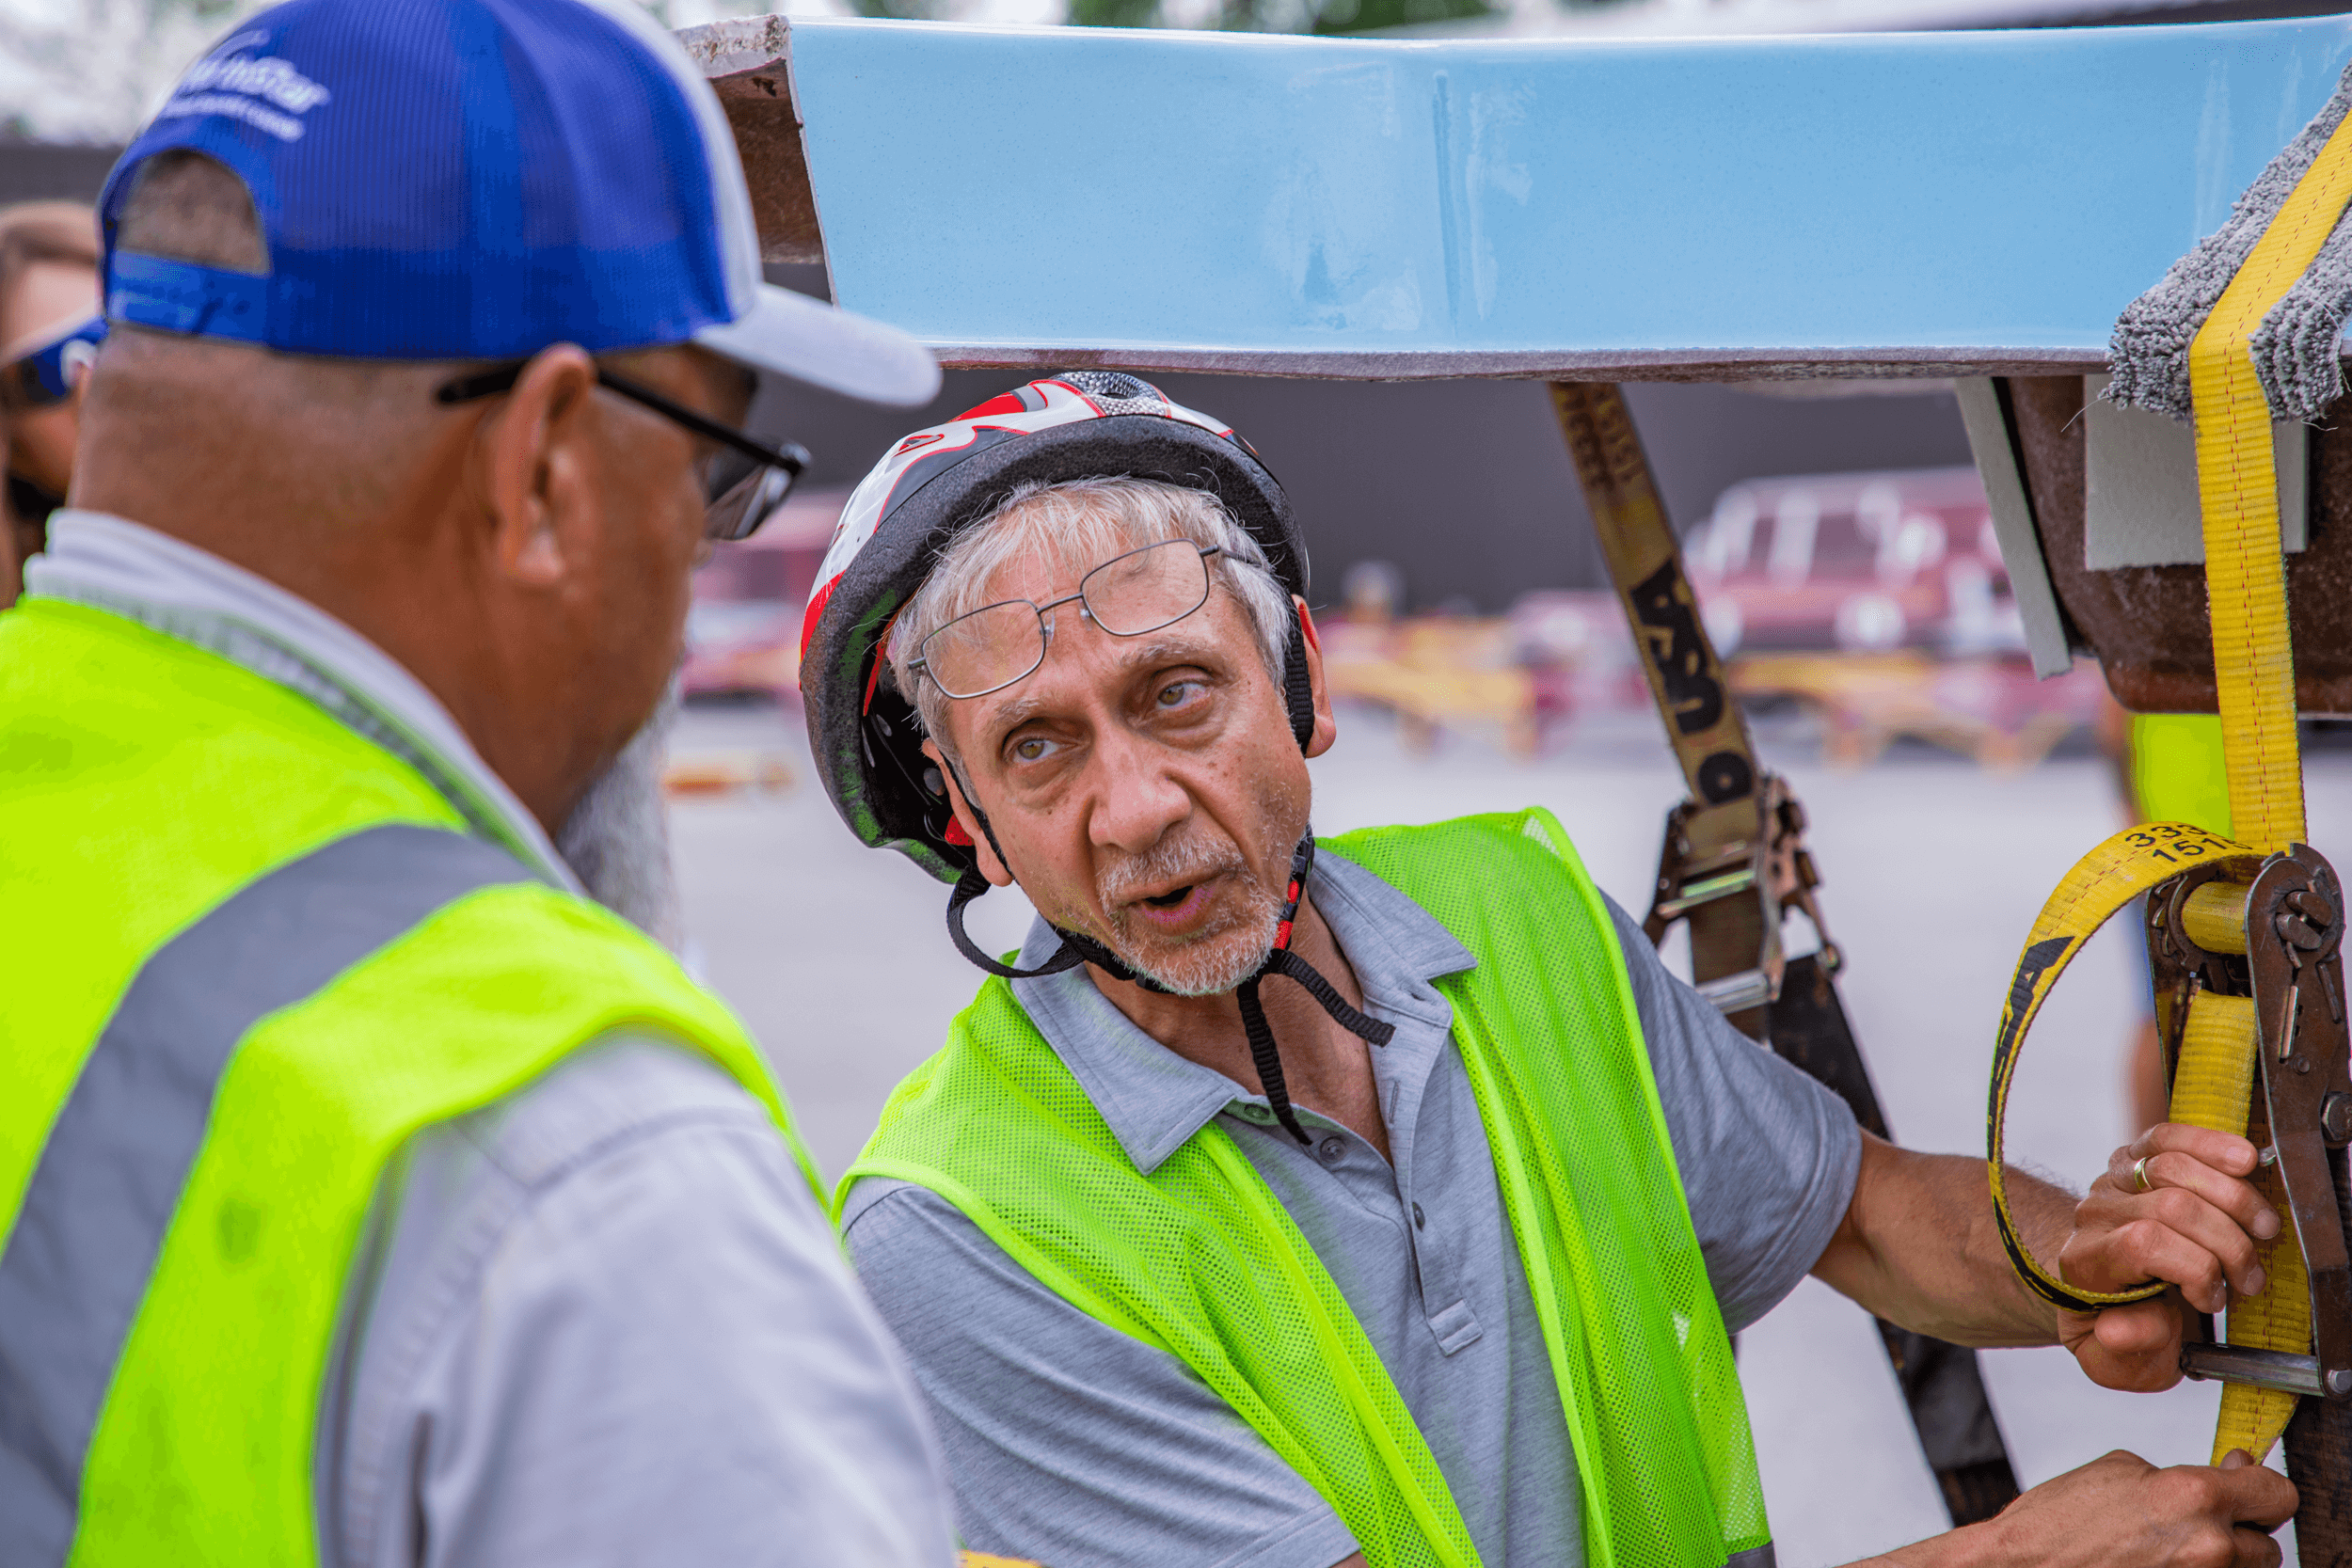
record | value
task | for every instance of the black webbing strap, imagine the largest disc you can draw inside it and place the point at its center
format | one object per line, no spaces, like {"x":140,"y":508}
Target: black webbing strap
{"x":1264,"y":1055}
{"x":970,"y":886}
{"x":1370,"y":1030}
{"x":1267,"y":1057}
{"x":1807,"y":1024}
{"x":1298,"y":693}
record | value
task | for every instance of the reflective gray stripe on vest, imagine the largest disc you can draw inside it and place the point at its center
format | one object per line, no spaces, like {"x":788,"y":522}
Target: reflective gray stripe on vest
{"x":77,"y":1262}
{"x":1754,"y":1557}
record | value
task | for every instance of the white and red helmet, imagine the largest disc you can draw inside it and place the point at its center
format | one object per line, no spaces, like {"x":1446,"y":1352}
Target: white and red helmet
{"x":930,"y":487}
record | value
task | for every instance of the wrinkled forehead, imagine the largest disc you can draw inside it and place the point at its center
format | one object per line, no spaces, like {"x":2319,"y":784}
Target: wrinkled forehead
{"x":1040,"y":570}
{"x":1039,"y":549}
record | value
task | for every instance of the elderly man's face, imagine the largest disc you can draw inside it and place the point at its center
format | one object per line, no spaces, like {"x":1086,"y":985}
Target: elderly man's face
{"x":1146,"y":790}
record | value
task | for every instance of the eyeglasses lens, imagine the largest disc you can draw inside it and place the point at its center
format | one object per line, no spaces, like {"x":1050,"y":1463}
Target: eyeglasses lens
{"x":741,"y":496}
{"x":1127,"y":596}
{"x":973,"y":655}
{"x":1147,"y":588}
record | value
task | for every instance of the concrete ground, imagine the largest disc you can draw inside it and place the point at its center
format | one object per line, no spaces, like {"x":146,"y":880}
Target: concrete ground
{"x":1935,"y":870}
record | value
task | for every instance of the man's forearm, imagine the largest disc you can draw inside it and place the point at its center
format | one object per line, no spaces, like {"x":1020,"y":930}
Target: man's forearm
{"x":1920,"y":1247}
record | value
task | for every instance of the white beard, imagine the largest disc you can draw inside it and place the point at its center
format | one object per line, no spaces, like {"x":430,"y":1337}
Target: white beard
{"x":1213,"y":960}
{"x":1218,"y":961}
{"x":617,"y":839}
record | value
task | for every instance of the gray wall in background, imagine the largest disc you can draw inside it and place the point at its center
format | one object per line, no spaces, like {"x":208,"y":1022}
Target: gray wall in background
{"x":1465,"y":484}
{"x":31,"y":171}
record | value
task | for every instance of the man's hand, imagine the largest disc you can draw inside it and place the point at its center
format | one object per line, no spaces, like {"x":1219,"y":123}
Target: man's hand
{"x":2121,"y":1511}
{"x":2193,"y":1228}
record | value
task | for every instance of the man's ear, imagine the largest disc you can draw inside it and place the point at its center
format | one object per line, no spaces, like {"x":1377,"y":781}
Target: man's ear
{"x":991,"y":867}
{"x":1327,"y":727}
{"x":537,"y":449}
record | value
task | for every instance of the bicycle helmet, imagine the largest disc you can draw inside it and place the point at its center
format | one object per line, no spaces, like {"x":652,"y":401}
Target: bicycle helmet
{"x":930,"y":488}
{"x":927,"y":489}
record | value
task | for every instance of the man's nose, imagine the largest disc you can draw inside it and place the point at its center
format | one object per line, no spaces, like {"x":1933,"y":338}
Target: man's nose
{"x":1136,"y":800}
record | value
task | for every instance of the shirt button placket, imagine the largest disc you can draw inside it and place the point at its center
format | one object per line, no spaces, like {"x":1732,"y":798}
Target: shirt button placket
{"x":1330,"y":1151}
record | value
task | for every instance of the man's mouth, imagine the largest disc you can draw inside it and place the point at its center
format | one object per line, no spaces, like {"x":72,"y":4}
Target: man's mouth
{"x":1174,"y":909}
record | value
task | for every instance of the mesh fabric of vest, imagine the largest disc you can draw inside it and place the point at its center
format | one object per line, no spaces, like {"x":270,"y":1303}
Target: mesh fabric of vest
{"x":160,"y":780}
{"x":1199,"y":1259}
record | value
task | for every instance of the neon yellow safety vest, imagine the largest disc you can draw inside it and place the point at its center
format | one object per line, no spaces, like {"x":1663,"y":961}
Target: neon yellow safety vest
{"x":2177,"y":772}
{"x":248,"y":954}
{"x":1199,"y":1260}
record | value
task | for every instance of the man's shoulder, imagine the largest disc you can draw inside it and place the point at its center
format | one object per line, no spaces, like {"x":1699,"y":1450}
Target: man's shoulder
{"x":1480,"y":835}
{"x":606,"y":1161}
{"x":996,"y":1079}
{"x":620,"y":1090}
{"x":614,"y":1271}
{"x":1459,"y":892}
{"x":910,"y":1245}
{"x":1467,"y":862}
{"x":883,"y":1212}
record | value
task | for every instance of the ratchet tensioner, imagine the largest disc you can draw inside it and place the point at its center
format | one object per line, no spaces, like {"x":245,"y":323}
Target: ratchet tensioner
{"x":2278,"y":940}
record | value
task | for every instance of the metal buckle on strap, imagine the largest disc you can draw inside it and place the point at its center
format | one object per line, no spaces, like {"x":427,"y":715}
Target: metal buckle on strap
{"x":1755,"y":849}
{"x":1705,"y":890}
{"x":2280,"y":943}
{"x":1737,"y":994}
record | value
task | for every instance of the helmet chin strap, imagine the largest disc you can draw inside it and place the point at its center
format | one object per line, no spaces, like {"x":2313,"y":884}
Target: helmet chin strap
{"x":1298,"y":699}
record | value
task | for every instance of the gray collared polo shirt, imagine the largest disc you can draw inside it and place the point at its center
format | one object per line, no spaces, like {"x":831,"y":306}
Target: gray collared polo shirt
{"x":1071,"y":1442}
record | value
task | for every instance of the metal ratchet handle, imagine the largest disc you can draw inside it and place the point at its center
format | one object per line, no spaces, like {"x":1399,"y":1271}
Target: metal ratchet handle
{"x":2295,"y":934}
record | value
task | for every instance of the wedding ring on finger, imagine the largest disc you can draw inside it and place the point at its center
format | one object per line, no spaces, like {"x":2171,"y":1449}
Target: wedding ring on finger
{"x":2140,"y":1174}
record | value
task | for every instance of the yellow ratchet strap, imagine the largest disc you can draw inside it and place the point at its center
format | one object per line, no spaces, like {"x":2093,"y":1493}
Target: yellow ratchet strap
{"x":2253,"y":662}
{"x":2101,"y":883}
{"x":983,"y":1559}
{"x":2255,"y":673}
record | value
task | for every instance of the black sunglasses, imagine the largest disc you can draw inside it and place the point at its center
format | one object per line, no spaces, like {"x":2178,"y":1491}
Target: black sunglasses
{"x":744,"y":487}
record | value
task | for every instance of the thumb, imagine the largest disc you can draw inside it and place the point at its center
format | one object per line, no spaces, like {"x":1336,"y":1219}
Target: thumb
{"x":2236,"y":1459}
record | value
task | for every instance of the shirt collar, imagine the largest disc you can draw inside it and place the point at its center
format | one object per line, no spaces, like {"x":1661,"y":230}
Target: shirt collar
{"x":171,"y":586}
{"x":1153,"y":1099}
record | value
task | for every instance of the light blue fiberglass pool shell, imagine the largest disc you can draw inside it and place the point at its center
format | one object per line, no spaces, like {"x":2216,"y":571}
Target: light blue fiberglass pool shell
{"x":1930,"y":203}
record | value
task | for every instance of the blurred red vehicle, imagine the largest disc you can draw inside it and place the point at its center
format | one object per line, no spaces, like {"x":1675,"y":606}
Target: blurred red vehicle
{"x":1862,"y":563}
{"x":743,"y":631}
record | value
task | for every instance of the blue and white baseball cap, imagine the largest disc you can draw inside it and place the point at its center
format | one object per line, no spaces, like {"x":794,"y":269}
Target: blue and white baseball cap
{"x":479,"y":180}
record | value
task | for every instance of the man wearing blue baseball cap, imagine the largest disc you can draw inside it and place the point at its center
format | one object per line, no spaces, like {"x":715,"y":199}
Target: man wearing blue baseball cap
{"x":369,"y":1193}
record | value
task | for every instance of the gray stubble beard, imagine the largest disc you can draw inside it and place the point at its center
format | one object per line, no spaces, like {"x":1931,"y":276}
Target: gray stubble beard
{"x":617,"y":838}
{"x":1202,"y":966}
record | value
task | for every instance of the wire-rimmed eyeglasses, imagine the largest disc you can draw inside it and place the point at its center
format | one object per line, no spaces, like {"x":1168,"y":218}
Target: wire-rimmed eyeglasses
{"x":1127,"y":596}
{"x":743,"y":484}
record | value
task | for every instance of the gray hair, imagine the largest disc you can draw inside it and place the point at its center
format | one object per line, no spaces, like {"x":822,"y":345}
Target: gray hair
{"x":1084,"y":521}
